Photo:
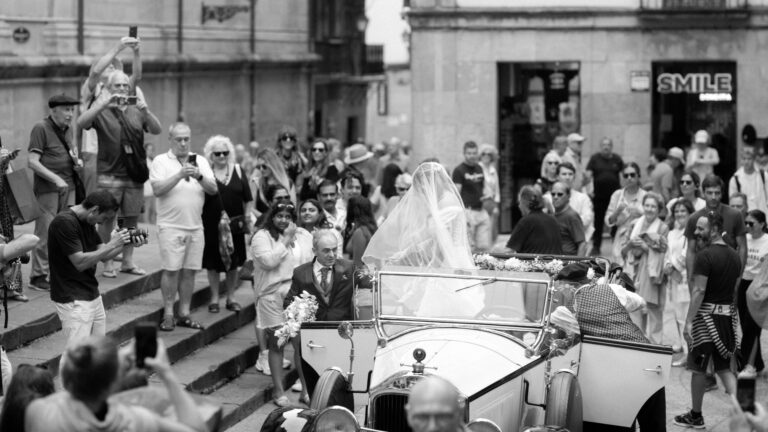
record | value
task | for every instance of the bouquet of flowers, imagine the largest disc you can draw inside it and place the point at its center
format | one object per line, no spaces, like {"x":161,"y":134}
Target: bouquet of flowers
{"x":488,"y":262}
{"x":301,"y":310}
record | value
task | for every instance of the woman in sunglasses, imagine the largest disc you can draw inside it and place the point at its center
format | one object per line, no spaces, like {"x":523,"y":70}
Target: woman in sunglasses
{"x":293,"y":161}
{"x":690,"y":191}
{"x":757,"y":251}
{"x":234,"y":197}
{"x":269,"y":171}
{"x":625,"y":207}
{"x":318,"y":169}
{"x":403,"y":183}
{"x":549,"y":177}
{"x":277,"y":248}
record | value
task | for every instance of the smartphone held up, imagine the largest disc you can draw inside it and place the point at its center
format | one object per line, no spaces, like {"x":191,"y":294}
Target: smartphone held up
{"x":146,"y":342}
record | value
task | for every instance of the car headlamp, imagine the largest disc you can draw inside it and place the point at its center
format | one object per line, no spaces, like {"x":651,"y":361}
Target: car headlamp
{"x":336,"y":419}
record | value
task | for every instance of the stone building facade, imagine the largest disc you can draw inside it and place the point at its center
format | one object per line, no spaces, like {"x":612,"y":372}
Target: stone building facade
{"x":516,"y":73}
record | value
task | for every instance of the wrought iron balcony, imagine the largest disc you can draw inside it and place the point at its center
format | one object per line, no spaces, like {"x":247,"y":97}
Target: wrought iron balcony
{"x":694,"y":5}
{"x":706,"y":13}
{"x":373,"y":64}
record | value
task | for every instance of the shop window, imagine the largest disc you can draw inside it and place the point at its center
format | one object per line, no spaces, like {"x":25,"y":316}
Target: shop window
{"x":537,"y":102}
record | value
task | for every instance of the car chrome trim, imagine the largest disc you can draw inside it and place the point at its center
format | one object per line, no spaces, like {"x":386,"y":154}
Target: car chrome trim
{"x":442,"y":325}
{"x":639,"y":346}
{"x":325,"y":325}
{"x":520,"y":371}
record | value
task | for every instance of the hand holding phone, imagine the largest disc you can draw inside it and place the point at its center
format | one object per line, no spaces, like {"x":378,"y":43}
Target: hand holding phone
{"x":146,"y":342}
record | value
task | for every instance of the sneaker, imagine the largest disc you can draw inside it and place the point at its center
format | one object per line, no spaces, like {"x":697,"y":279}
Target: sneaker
{"x":286,"y":364}
{"x":262,"y":364}
{"x":297,"y":387}
{"x":749,"y":371}
{"x":39,"y":283}
{"x":711,"y":383}
{"x":687,"y":420}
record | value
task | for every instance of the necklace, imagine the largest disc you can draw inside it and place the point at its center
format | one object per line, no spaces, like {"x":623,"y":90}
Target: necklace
{"x":225,"y":179}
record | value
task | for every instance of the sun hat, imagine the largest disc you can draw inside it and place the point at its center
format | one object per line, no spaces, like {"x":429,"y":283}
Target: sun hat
{"x":357,"y":153}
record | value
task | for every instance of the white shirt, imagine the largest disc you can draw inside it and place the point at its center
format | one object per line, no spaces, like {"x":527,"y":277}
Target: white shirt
{"x":702,"y":162}
{"x":752,"y":186}
{"x":182,"y":206}
{"x":757,"y":249}
{"x":581,"y":203}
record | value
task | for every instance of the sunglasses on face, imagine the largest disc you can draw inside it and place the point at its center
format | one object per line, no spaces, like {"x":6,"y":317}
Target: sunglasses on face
{"x":552,"y":163}
{"x":288,"y":137}
{"x":686,"y":182}
{"x":318,"y":150}
{"x":221,"y":153}
{"x":285,"y":206}
{"x":749,"y":224}
{"x":558,"y":194}
{"x":262,"y":167}
{"x":282,"y":198}
{"x":629,"y":175}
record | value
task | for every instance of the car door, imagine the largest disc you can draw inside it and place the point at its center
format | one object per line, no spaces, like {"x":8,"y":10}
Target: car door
{"x":640,"y":369}
{"x":322,"y":347}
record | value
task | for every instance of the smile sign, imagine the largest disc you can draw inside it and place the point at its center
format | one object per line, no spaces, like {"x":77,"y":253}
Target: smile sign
{"x":694,"y":83}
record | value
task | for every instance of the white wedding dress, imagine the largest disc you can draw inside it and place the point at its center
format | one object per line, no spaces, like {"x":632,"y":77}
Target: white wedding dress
{"x":428,"y":229}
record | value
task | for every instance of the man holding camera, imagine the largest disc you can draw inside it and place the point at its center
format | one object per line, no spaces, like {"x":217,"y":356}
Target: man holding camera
{"x":120,"y":122}
{"x":180,"y":181}
{"x":52,"y":158}
{"x":74,"y":288}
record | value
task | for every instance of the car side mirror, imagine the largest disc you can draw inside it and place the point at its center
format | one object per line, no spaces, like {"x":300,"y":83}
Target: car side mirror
{"x":346,"y":330}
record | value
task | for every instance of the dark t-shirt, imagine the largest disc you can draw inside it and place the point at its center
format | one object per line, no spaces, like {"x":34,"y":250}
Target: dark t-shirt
{"x":67,"y":235}
{"x":605,"y":174}
{"x":571,"y":230}
{"x":722,"y":266}
{"x":53,"y":155}
{"x":733,"y":224}
{"x":111,"y":159}
{"x":537,"y":233}
{"x":471,"y":179}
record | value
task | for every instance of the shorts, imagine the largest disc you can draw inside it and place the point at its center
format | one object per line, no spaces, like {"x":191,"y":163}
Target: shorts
{"x":701,"y":357}
{"x":180,"y":249}
{"x":128,"y":193}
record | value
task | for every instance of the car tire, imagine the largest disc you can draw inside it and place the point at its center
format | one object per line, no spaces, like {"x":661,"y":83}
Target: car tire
{"x":332,"y":390}
{"x":564,"y":404}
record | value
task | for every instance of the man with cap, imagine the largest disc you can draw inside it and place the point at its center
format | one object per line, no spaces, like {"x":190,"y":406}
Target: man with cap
{"x":573,"y":155}
{"x":702,"y":158}
{"x":750,"y":181}
{"x":663,"y":180}
{"x":53,"y":158}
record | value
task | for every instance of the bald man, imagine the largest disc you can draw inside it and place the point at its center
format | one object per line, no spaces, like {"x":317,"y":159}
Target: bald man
{"x":435,"y":406}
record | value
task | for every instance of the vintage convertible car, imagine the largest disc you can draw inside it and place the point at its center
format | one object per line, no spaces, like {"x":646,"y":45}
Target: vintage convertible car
{"x":488,"y":332}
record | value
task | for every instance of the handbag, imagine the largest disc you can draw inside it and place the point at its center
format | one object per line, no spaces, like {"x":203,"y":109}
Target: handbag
{"x":22,"y":202}
{"x":79,"y":185}
{"x":135,"y":156}
{"x":226,"y":244}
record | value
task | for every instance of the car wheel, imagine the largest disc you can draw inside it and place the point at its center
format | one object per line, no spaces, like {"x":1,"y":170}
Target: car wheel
{"x":564,"y":407}
{"x":332,"y":390}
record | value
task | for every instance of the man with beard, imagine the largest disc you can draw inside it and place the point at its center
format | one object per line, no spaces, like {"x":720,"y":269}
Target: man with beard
{"x":328,"y":196}
{"x":711,"y":320}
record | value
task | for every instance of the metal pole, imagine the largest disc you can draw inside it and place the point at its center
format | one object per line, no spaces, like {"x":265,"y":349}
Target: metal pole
{"x":180,"y":51}
{"x":252,"y":77}
{"x":81,"y":27}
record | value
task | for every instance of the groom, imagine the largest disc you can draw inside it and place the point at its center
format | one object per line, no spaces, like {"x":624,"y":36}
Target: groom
{"x":329,"y":279}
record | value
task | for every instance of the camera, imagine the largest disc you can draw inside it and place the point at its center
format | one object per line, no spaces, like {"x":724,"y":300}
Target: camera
{"x":137,"y":233}
{"x":24,"y":259}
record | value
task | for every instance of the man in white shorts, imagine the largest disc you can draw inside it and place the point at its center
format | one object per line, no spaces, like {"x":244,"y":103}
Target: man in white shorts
{"x":180,"y":179}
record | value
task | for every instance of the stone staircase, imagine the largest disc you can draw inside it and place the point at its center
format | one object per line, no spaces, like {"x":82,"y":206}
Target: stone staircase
{"x":216,"y":362}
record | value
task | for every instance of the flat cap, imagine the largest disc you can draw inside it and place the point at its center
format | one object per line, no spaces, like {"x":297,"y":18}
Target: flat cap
{"x":61,"y":100}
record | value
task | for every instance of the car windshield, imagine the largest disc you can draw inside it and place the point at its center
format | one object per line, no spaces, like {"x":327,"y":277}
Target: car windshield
{"x":482,"y":296}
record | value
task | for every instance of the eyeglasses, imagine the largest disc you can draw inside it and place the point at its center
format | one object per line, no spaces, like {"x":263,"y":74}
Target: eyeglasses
{"x":686,"y":182}
{"x":318,"y":150}
{"x":558,"y":194}
{"x":285,"y":206}
{"x":629,"y":175}
{"x":221,"y":153}
{"x":282,"y":198}
{"x":261,"y":167}
{"x":287,"y":137}
{"x":552,"y":163}
{"x":749,"y":224}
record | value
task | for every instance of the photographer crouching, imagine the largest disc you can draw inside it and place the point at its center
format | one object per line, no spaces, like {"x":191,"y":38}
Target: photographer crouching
{"x":74,"y":288}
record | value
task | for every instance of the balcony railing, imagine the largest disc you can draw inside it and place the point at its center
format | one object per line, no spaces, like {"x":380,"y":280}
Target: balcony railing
{"x":373,"y":63}
{"x":350,"y":57}
{"x":694,"y":5}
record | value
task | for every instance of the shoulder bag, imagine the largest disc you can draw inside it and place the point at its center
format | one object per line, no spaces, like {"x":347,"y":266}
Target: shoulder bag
{"x":132,"y":144}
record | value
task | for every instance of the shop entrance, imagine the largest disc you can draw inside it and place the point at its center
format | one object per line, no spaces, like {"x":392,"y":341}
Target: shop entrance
{"x":688,"y":96}
{"x":537,"y":102}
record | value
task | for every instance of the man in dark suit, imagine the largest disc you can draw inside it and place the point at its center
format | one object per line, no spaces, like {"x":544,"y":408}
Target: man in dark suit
{"x":329,"y":279}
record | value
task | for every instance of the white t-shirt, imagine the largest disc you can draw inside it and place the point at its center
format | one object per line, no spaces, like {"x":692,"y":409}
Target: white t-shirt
{"x":752,"y":186}
{"x":757,"y":249}
{"x":182,"y":206}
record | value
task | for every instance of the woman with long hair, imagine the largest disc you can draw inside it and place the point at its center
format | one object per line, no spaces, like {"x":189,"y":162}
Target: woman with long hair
{"x":277,"y":248}
{"x":91,"y":370}
{"x":28,"y":383}
{"x":269,"y":171}
{"x":678,"y":296}
{"x":757,"y":251}
{"x":312,"y":218}
{"x":385,"y":191}
{"x":625,"y":206}
{"x":690,"y":191}
{"x":536,"y":232}
{"x":644,"y":261}
{"x":287,"y":150}
{"x":361,"y":224}
{"x":319,"y":168}
{"x":235,"y":198}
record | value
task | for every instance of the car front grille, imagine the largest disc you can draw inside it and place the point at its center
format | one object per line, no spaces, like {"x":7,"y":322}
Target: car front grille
{"x":389,"y":413}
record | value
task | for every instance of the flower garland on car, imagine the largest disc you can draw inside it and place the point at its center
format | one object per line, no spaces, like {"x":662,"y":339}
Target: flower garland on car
{"x":302,"y":309}
{"x":488,"y":262}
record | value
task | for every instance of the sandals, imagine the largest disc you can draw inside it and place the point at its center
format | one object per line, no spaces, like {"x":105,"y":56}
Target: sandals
{"x":135,"y":270}
{"x":214,"y":308}
{"x":189,"y":323}
{"x":109,"y":274}
{"x":168,"y":323}
{"x":233,"y":306}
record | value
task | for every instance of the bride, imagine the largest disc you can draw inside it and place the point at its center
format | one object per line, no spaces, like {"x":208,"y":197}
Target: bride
{"x":428,"y":229}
